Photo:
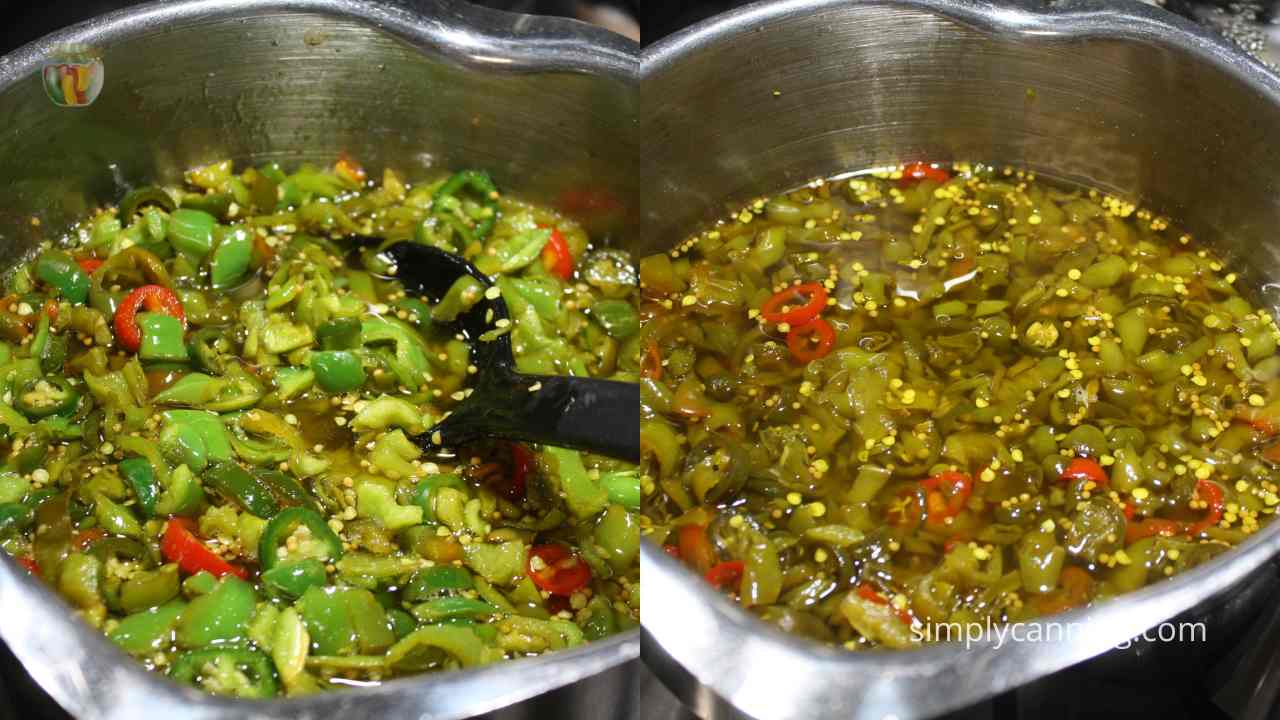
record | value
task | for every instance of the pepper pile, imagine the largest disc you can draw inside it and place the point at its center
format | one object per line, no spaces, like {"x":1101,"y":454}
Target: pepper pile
{"x":925,"y":395}
{"x":207,"y":400}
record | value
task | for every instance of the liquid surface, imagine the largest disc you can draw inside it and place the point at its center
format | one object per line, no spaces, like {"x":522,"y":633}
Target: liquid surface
{"x":922,"y":396}
{"x":209,"y":398}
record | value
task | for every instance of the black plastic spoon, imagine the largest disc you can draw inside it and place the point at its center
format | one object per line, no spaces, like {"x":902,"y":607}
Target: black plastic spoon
{"x":601,"y":416}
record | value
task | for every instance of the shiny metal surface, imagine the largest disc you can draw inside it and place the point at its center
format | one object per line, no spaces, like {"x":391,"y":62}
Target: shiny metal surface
{"x":546,"y":105}
{"x":1120,"y":96}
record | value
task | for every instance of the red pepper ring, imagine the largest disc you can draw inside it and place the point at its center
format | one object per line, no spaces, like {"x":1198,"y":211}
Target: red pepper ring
{"x":179,"y":544}
{"x":90,"y":264}
{"x":814,"y":296}
{"x":556,"y":569}
{"x":152,"y":298}
{"x":941,"y":505}
{"x":811,"y":341}
{"x":917,"y":171}
{"x":726,"y":574}
{"x":1211,"y":494}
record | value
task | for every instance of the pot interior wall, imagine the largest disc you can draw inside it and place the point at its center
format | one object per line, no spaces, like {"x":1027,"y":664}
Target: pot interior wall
{"x":302,"y":86}
{"x":775,"y":103}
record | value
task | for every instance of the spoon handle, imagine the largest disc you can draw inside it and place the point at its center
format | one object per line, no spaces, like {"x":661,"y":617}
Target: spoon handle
{"x":600,"y":416}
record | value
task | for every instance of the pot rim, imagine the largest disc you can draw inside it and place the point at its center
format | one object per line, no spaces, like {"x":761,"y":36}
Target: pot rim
{"x":693,"y":633}
{"x":75,"y":664}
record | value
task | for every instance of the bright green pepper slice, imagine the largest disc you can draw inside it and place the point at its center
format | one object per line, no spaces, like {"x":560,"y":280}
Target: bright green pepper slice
{"x":337,"y":371}
{"x":60,"y":270}
{"x":145,"y":632}
{"x":231,"y":258}
{"x":161,"y":338}
{"x":293,"y":579}
{"x":191,"y":232}
{"x":220,"y":617}
{"x":324,"y":542}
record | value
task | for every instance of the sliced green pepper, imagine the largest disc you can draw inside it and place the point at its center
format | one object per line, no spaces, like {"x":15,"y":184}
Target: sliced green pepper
{"x":220,"y":617}
{"x":292,"y":579}
{"x":59,"y":269}
{"x":232,"y":481}
{"x":140,"y":476}
{"x":231,"y":258}
{"x":323,"y":543}
{"x":46,"y":396}
{"x":337,"y":371}
{"x":482,"y":185}
{"x":161,"y":338}
{"x":143,"y":633}
{"x":191,"y":232}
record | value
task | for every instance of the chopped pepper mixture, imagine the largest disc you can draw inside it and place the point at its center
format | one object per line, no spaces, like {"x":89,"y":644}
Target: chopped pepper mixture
{"x":207,"y":402}
{"x":930,"y":395}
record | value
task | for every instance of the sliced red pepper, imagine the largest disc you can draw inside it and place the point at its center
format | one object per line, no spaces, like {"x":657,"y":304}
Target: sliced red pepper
{"x":153,"y":298}
{"x":181,"y":545}
{"x":90,"y":264}
{"x":1151,"y":526}
{"x":562,"y":572}
{"x":866,"y":593}
{"x":695,"y":548}
{"x":29,"y":563}
{"x":1211,"y":494}
{"x":947,"y":494}
{"x":671,"y":550}
{"x":917,"y":171}
{"x":50,"y":308}
{"x":521,"y":463}
{"x":651,"y":363}
{"x":813,"y":297}
{"x":726,"y":574}
{"x":811,"y":341}
{"x":556,"y":256}
{"x":1129,"y":511}
{"x":1083,"y":468}
{"x":86,"y":538}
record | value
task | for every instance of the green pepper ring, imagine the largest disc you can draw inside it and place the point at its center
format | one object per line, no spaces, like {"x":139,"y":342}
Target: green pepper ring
{"x":67,"y":398}
{"x":284,"y":523}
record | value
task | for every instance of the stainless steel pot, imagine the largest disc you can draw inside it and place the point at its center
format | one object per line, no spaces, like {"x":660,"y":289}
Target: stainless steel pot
{"x":1120,"y":96}
{"x":547,"y":105}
